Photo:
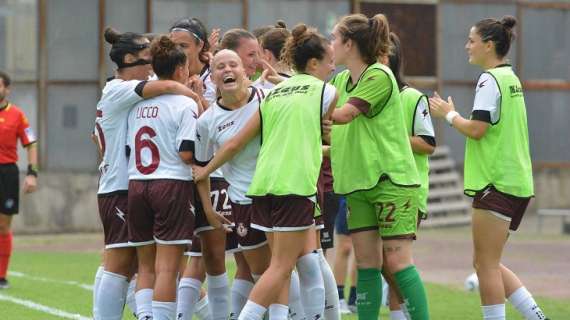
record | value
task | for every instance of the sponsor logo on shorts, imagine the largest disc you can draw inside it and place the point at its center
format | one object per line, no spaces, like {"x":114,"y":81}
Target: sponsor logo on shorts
{"x":241,"y":230}
{"x":192,"y":209}
{"x":120,"y":214}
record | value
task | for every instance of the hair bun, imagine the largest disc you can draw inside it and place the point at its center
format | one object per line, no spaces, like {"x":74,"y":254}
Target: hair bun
{"x":162,"y":46}
{"x":299,"y":30}
{"x":508,"y":22}
{"x":112,"y":35}
{"x":280,"y":24}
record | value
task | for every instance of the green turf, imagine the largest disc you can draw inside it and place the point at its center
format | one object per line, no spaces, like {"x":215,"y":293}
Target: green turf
{"x":445,"y":302}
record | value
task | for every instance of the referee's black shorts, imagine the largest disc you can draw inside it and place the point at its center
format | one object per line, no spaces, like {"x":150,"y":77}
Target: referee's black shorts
{"x":9,"y":188}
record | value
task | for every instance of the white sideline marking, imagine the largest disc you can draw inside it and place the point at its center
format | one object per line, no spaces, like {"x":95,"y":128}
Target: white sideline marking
{"x":39,"y":307}
{"x":71,"y":283}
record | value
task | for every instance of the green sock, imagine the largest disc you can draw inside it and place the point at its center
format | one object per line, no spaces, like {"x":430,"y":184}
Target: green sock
{"x":412,"y":288}
{"x":368,"y":293}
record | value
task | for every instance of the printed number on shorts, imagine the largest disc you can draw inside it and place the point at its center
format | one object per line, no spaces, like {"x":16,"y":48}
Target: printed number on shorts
{"x":216,"y":197}
{"x":146,"y":143}
{"x":387,"y":209}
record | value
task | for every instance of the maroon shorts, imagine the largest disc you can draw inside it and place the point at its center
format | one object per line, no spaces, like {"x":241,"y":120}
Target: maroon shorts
{"x":113,"y":209}
{"x":248,"y":237}
{"x":195,"y":249}
{"x":160,"y":211}
{"x":220,"y":202}
{"x":282,"y":213}
{"x":509,"y":207}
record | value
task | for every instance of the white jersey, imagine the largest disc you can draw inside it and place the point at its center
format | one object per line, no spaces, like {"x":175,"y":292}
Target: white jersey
{"x":260,"y":83}
{"x":113,"y":109}
{"x":158,"y":129}
{"x":219,"y":124}
{"x":422,"y":120}
{"x":210,"y":93}
{"x":487,"y":99}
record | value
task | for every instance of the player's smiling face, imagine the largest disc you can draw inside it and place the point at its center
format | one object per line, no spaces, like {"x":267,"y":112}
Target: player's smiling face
{"x":477,"y":50}
{"x":228,"y":72}
{"x":188,"y":43}
{"x":248,"y":51}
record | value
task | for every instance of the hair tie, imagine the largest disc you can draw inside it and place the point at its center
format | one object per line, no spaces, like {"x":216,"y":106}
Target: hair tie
{"x":370,"y":21}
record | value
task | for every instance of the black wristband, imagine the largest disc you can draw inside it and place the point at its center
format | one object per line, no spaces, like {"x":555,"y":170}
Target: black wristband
{"x":32,"y":171}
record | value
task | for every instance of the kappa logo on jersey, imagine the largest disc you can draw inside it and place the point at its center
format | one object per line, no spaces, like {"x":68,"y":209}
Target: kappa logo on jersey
{"x":225,"y":126}
{"x":425,"y":113}
{"x":482,"y":84}
{"x":241,"y":230}
{"x":120,"y":214}
{"x":194,"y":114}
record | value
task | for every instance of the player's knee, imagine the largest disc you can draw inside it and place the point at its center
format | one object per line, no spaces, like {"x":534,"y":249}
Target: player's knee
{"x":395,"y":263}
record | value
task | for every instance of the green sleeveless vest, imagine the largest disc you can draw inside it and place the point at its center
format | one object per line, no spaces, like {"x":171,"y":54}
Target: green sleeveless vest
{"x":501,"y":157}
{"x":410,"y":100}
{"x":370,"y":148}
{"x":290,"y":158}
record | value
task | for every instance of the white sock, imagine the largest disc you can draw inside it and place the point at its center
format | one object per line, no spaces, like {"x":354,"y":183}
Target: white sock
{"x":144,"y":304}
{"x":494,"y":312}
{"x":312,"y":286}
{"x":111,"y":296}
{"x":219,"y":296}
{"x":397,"y":315}
{"x":240,"y":293}
{"x":252,"y":311}
{"x":523,"y":301}
{"x":203,"y":309}
{"x":332,"y":307}
{"x":131,"y":301}
{"x":296,"y":311}
{"x":163,"y":310}
{"x":96,"y":283}
{"x":278,"y":311}
{"x":188,"y":296}
{"x":405,"y":311}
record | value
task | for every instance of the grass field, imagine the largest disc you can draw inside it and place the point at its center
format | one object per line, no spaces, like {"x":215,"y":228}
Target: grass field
{"x":61,"y":281}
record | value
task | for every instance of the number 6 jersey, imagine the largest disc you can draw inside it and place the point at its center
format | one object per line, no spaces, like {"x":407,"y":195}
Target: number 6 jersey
{"x":159,"y":128}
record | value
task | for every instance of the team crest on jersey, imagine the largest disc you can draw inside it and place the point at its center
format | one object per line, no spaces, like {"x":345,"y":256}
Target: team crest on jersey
{"x":241,"y":230}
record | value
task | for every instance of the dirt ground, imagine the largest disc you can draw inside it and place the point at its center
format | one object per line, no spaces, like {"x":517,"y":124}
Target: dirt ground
{"x":542,"y":260}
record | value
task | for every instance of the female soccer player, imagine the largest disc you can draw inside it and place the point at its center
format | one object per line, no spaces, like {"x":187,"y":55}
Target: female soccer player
{"x":373,"y":164}
{"x":131,"y":53}
{"x":422,"y":139}
{"x":498,"y":169}
{"x":272,"y":43}
{"x":246,"y":46}
{"x":284,"y":189}
{"x":161,"y":141}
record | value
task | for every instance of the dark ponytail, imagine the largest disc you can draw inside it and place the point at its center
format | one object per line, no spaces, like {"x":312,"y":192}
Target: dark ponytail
{"x":197,"y":29}
{"x":304,"y":44}
{"x":166,"y":57}
{"x":499,"y":31}
{"x":371,"y":35}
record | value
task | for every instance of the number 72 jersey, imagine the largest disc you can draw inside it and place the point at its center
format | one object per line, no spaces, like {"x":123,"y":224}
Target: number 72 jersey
{"x":159,"y":128}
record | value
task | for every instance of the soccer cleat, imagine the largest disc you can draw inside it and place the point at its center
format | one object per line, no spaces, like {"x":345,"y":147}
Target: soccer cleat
{"x":353,"y":308}
{"x":4,"y":284}
{"x":343,"y":306}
